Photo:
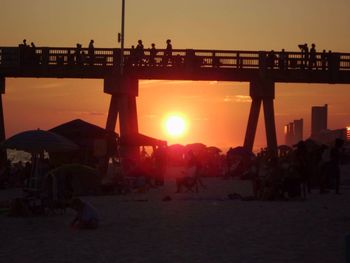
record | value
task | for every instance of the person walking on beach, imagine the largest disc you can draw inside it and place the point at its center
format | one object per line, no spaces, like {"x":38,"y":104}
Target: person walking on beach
{"x":334,"y":169}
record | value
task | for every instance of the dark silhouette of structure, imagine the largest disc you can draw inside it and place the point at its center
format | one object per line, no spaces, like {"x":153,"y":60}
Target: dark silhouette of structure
{"x":247,"y":66}
{"x":318,"y":119}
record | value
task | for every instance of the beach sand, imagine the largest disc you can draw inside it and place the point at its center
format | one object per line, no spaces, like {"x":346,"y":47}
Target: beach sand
{"x":203,"y":227}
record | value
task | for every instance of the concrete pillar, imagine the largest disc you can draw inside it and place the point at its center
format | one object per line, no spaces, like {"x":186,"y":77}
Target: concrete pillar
{"x":112,"y":113}
{"x":270,"y":126}
{"x":261,"y":90}
{"x":252,"y":124}
{"x":123,"y":103}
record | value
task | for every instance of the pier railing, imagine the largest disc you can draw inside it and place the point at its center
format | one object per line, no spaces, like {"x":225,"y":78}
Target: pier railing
{"x":15,"y":57}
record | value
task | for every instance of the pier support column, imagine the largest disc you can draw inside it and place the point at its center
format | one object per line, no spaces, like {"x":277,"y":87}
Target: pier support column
{"x":123,"y":103}
{"x":252,"y":123}
{"x":270,"y":127}
{"x":112,"y":113}
{"x":262,"y":90}
{"x":3,"y":154}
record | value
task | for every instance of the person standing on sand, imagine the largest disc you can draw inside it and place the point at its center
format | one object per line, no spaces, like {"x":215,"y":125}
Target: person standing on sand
{"x":87,"y":217}
{"x":334,"y":169}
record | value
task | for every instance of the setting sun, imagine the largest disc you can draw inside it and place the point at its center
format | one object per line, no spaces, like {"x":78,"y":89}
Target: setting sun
{"x":175,"y":126}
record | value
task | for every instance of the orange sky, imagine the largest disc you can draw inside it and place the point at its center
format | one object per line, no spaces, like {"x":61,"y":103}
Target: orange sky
{"x":216,"y":111}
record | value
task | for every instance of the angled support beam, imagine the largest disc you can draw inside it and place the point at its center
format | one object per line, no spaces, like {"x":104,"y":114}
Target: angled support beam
{"x":3,"y":153}
{"x":270,"y":127}
{"x":112,"y":113}
{"x":252,"y":124}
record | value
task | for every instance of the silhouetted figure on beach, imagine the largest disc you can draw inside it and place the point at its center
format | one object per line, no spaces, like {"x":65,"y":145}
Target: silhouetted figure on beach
{"x":312,"y":57}
{"x":139,"y":53}
{"x":191,"y":178}
{"x":25,"y":43}
{"x":168,"y":53}
{"x":91,"y":52}
{"x":335,"y":156}
{"x":301,"y":164}
{"x":152,"y":55}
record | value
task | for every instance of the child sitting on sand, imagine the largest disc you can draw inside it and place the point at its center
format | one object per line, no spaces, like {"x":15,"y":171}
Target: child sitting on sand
{"x":86,"y":217}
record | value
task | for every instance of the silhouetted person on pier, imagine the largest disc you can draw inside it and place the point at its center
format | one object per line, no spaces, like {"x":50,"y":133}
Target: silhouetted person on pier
{"x":305,"y":55}
{"x":271,"y":58}
{"x":168,"y":53}
{"x":132,"y":58}
{"x":324,"y":60}
{"x":32,"y":55}
{"x":91,"y":52}
{"x":78,"y":59}
{"x":312,"y":57}
{"x":152,"y":55}
{"x":139,"y":53}
{"x":283,"y":60}
{"x":23,"y":51}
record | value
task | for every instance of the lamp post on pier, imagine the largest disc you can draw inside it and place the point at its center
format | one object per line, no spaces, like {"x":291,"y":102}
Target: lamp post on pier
{"x":121,"y":38}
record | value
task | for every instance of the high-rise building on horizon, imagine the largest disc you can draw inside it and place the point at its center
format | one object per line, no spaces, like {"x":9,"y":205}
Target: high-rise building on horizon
{"x":318,"y":119}
{"x":293,"y":132}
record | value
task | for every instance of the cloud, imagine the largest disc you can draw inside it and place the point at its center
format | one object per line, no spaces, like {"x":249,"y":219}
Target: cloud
{"x":89,"y":113}
{"x":237,"y":98}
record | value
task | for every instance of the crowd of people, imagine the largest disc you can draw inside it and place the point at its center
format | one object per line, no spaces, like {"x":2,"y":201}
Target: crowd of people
{"x":139,"y":56}
{"x":293,"y":173}
{"x":309,"y":59}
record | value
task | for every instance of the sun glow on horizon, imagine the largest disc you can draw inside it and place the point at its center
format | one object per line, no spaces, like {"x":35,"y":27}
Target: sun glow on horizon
{"x":175,"y":125}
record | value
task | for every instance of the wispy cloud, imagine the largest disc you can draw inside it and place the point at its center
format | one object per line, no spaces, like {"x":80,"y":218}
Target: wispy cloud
{"x":238,"y":98}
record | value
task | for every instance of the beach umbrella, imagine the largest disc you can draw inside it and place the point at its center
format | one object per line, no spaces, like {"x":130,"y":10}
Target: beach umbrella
{"x":213,"y":149}
{"x":240,"y":151}
{"x":37,"y":141}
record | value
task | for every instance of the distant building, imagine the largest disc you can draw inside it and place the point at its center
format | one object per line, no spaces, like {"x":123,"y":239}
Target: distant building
{"x":318,"y":119}
{"x":329,"y":136}
{"x":293,"y":132}
{"x":348,"y":133}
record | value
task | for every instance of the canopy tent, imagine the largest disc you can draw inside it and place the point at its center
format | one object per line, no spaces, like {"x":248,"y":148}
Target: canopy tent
{"x":95,"y":142}
{"x":80,"y":131}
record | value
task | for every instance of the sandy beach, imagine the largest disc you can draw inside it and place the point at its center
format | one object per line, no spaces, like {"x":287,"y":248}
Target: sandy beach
{"x":203,"y":227}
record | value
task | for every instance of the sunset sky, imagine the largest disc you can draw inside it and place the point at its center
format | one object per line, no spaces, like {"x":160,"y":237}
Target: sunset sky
{"x":216,"y":112}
